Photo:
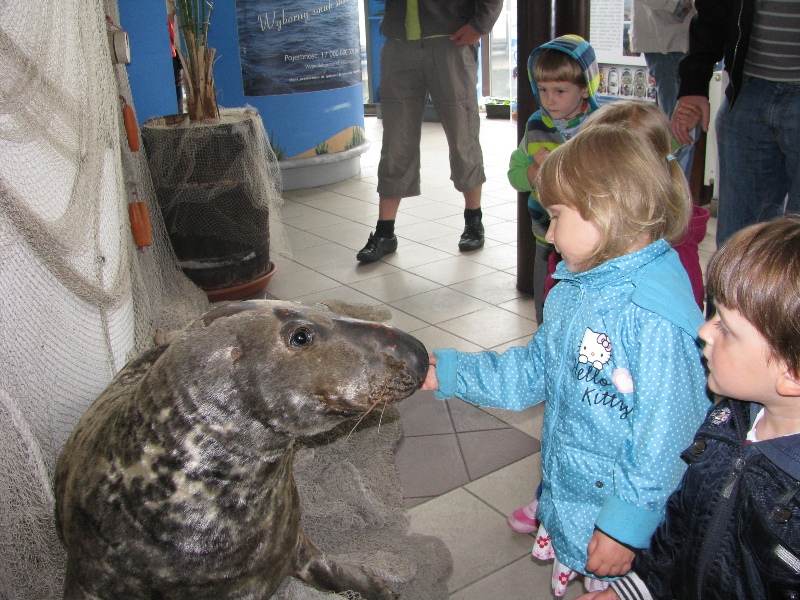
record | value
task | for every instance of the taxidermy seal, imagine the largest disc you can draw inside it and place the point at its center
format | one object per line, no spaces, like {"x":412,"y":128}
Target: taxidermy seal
{"x":177,"y":482}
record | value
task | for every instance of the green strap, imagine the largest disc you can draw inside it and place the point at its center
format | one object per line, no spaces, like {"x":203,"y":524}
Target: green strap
{"x":413,"y":28}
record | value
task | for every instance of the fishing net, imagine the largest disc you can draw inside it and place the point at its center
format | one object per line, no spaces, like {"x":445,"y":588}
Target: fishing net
{"x":352,"y":508}
{"x":216,"y":184}
{"x":79,"y":298}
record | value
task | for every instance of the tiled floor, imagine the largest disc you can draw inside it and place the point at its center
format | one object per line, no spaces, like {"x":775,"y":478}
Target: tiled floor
{"x":463,"y":469}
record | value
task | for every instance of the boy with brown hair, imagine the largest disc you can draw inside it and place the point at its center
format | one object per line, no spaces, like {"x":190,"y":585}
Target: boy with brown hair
{"x":732,"y":530}
{"x":564,"y":78}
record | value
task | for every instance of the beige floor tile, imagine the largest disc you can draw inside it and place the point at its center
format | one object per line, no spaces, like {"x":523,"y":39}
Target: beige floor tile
{"x":500,"y":348}
{"x":299,"y":238}
{"x":307,"y":194}
{"x":394,"y":286}
{"x":524,"y":305}
{"x":524,"y":579}
{"x":292,"y":209}
{"x":313,"y":220}
{"x":495,"y":287}
{"x":300,"y":282}
{"x":347,"y":233}
{"x":412,"y":254}
{"x":424,"y":230}
{"x":284,"y":264}
{"x":433,"y":211}
{"x":489,"y":327}
{"x":438,"y":305}
{"x":499,"y":256}
{"x":349,"y":270}
{"x":511,"y":487}
{"x":452,"y":270}
{"x":405,"y":321}
{"x":316,"y":257}
{"x":449,"y":244}
{"x":341,"y":293}
{"x":506,"y":211}
{"x":502,"y":232}
{"x":528,"y":420}
{"x":476,"y":535}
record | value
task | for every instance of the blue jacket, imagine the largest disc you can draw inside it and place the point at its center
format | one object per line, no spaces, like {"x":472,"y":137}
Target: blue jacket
{"x":732,"y":530}
{"x":618,"y":363}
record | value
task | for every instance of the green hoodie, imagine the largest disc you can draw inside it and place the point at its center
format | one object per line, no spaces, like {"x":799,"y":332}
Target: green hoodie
{"x":543,"y":132}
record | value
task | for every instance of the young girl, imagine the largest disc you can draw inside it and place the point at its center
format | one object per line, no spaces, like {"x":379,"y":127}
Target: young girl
{"x":649,"y":121}
{"x":616,"y":359}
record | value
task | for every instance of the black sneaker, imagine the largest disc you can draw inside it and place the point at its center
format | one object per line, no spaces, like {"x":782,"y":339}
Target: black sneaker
{"x":377,"y":248}
{"x":472,"y":238}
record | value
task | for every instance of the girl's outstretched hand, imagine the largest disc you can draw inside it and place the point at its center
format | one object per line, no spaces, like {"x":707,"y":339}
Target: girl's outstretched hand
{"x":607,"y":557}
{"x":430,"y":382}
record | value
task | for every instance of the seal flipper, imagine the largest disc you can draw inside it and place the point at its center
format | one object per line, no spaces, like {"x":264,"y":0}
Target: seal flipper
{"x":321,"y":571}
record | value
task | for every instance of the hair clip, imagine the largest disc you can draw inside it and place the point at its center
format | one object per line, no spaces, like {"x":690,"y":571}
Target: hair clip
{"x":671,"y":157}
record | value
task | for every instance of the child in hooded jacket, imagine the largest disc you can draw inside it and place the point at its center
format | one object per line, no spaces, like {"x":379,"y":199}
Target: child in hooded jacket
{"x":564,"y":77}
{"x":616,"y":360}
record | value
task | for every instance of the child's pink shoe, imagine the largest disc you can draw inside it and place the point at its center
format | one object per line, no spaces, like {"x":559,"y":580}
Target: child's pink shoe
{"x":523,"y":520}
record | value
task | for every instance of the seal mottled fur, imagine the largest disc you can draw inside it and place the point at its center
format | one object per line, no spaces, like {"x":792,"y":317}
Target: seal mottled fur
{"x":177,"y":482}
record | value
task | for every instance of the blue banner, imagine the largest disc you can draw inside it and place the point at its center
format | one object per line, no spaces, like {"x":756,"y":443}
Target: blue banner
{"x":295,"y":46}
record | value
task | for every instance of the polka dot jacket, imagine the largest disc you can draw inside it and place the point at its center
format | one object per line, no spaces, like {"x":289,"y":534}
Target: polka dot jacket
{"x":618,"y":363}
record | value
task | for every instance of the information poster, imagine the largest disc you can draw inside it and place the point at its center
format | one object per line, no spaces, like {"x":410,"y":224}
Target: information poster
{"x":609,"y":24}
{"x":623,"y":73}
{"x":295,"y":46}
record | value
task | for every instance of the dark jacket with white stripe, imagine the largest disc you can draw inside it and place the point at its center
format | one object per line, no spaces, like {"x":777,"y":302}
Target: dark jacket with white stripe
{"x":732,"y":531}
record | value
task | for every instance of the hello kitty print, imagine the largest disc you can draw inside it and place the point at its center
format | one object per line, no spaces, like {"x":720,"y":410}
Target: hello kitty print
{"x":594,"y":353}
{"x":595,"y":349}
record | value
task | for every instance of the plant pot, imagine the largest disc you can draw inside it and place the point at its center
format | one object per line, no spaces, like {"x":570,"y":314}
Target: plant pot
{"x":209,"y":188}
{"x":498,"y":111}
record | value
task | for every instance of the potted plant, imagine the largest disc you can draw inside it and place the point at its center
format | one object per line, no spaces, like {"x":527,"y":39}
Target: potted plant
{"x":498,"y":108}
{"x":197,"y":57}
{"x":214,"y":174}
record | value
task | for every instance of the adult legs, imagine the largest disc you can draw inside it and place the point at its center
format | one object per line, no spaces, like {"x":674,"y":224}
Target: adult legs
{"x":663,"y":66}
{"x":452,"y":75}
{"x":784,"y":116}
{"x":403,"y":94}
{"x":757,"y":155}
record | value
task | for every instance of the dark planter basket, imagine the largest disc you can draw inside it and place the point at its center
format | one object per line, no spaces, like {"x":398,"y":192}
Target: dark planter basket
{"x":498,"y":111}
{"x":211,"y":203}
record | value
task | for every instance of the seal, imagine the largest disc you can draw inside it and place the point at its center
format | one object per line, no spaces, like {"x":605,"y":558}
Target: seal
{"x":177,"y":481}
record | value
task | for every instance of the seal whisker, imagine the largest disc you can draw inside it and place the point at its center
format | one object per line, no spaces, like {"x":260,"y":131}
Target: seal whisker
{"x":369,"y":410}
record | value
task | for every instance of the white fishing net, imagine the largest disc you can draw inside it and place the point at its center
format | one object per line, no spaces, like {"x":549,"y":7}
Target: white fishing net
{"x":78,"y":300}
{"x":217,"y":184}
{"x":352,"y":508}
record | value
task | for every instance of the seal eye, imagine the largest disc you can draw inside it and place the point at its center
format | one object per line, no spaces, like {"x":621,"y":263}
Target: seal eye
{"x":301,"y":337}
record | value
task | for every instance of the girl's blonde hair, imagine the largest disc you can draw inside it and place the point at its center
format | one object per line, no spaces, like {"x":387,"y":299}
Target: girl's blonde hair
{"x":644,"y":118}
{"x":620,"y":178}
